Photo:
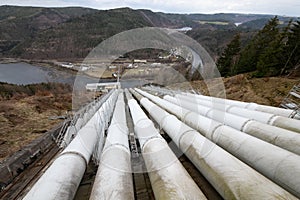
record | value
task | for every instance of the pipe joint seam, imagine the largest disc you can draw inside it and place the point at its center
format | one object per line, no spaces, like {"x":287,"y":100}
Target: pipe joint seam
{"x":207,"y":113}
{"x":213,"y":131}
{"x":77,"y":154}
{"x":185,"y":115}
{"x":149,"y":139}
{"x":229,"y":107}
{"x":179,"y":139}
{"x":243,"y":127}
{"x":163,"y":120}
{"x":251,"y":104}
{"x":141,"y":120}
{"x":122,"y":126}
{"x":272,"y":119}
{"x":116,"y":145}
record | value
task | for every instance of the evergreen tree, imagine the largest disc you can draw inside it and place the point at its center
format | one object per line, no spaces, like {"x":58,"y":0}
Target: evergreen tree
{"x":272,"y":59}
{"x":229,"y":57}
{"x":293,"y":47}
{"x":250,"y":56}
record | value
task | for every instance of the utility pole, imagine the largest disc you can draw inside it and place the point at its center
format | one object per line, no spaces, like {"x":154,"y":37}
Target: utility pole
{"x":118,"y":75}
{"x":118,"y":78}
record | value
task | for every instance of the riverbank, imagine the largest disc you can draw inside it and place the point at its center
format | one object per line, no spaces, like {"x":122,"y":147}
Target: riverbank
{"x":24,"y":73}
{"x":43,"y":63}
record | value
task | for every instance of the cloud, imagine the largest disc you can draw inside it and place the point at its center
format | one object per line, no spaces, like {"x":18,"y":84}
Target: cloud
{"x":280,"y":7}
{"x":46,"y":3}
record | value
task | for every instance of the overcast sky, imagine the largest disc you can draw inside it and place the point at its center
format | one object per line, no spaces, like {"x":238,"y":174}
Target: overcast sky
{"x":277,"y":7}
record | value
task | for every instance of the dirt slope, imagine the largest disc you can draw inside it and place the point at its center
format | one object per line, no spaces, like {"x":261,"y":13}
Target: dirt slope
{"x":22,"y":119}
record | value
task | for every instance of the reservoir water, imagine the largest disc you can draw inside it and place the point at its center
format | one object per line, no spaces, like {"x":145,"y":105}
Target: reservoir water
{"x":23,"y":73}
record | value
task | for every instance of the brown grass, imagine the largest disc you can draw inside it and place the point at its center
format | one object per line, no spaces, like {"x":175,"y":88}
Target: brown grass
{"x":25,"y":117}
{"x":267,"y":91}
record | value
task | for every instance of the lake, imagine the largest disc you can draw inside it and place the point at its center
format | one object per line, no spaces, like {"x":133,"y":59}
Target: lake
{"x":24,"y":74}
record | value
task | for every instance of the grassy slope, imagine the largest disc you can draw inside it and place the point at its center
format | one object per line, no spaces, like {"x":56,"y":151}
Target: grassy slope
{"x":24,"y":117}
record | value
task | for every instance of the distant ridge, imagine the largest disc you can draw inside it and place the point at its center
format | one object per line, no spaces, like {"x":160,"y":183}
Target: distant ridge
{"x":71,"y":32}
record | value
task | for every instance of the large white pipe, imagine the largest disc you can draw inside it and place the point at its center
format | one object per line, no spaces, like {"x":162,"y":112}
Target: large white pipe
{"x":230,"y":177}
{"x":104,"y":120}
{"x":266,"y":158}
{"x":62,"y":178}
{"x":250,"y":106}
{"x":83,"y":118}
{"x":286,"y":139}
{"x":99,"y":145}
{"x":168,"y":177}
{"x":287,"y":123}
{"x":162,"y":91}
{"x":73,"y":129}
{"x":267,"y":118}
{"x":114,"y":179}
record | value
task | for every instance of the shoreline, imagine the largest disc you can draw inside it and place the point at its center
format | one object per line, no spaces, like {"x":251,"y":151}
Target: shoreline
{"x":39,"y":63}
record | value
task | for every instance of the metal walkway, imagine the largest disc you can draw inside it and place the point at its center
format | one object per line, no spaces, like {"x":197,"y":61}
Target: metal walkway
{"x":292,"y":101}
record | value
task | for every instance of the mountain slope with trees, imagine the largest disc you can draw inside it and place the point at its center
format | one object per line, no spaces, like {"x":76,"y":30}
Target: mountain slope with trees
{"x":273,"y":51}
{"x":70,"y":33}
{"x":76,"y":37}
{"x":229,"y":57}
{"x":21,"y":24}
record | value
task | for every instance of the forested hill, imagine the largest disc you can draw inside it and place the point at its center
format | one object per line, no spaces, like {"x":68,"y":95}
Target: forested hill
{"x":273,"y":51}
{"x":68,"y":33}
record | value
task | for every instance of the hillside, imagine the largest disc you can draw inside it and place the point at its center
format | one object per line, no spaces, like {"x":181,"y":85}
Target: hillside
{"x":21,"y":107}
{"x":21,"y":24}
{"x":267,"y":91}
{"x":76,"y":37}
{"x":68,"y":33}
{"x":227,"y":17}
{"x":159,"y":19}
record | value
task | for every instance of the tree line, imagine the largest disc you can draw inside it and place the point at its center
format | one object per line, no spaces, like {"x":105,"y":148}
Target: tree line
{"x":273,"y":51}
